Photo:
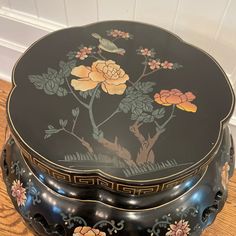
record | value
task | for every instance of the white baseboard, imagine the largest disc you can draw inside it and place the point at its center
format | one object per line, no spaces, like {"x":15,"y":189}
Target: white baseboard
{"x":31,"y":20}
{"x":5,"y":77}
{"x":18,"y":31}
{"x":13,"y":46}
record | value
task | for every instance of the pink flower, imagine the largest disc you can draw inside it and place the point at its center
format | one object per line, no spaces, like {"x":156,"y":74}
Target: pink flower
{"x":119,"y":34}
{"x":146,"y":52}
{"x":154,"y":64}
{"x":179,"y":229}
{"x":83,"y":53}
{"x":86,"y":50}
{"x":116,"y":33}
{"x":167,"y":65}
{"x":18,"y":192}
{"x":125,"y":35}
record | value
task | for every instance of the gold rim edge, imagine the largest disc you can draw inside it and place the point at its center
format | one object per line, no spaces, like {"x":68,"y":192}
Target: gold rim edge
{"x":119,"y":208}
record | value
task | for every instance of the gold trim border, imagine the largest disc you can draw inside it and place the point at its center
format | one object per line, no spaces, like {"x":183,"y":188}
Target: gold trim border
{"x":119,"y":208}
{"x":96,"y":180}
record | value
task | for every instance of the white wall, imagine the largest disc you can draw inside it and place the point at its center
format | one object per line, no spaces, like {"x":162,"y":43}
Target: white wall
{"x":209,"y":24}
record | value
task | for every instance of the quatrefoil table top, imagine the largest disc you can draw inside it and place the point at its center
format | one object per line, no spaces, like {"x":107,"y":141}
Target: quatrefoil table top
{"x":123,"y":100}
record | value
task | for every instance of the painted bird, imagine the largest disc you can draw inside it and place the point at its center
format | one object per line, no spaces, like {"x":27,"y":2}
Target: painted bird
{"x":107,"y":45}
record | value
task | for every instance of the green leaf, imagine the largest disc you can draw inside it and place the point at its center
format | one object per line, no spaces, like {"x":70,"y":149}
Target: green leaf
{"x":136,"y":110}
{"x":134,"y":116}
{"x":75,"y":112}
{"x":51,"y":72}
{"x":145,"y":87}
{"x":71,"y":55}
{"x":51,"y":131}
{"x":125,"y":107}
{"x":159,"y":113}
{"x":148,"y":119}
{"x":45,"y":76}
{"x":51,"y":87}
{"x":62,"y":64}
{"x":62,"y":92}
{"x":60,"y":78}
{"x":37,"y":80}
{"x":72,"y":63}
{"x":63,"y":123}
{"x":129,"y":90}
{"x":67,"y":67}
{"x":148,"y":107}
{"x":84,"y":94}
{"x":47,"y":136}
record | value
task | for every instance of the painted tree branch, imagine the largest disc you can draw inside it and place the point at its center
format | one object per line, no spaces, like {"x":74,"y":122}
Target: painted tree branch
{"x":83,"y":142}
{"x":117,"y":149}
{"x":146,"y":153}
{"x":109,"y":117}
{"x":135,"y":130}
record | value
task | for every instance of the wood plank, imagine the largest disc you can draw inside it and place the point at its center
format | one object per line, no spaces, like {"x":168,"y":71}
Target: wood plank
{"x":12,"y":225}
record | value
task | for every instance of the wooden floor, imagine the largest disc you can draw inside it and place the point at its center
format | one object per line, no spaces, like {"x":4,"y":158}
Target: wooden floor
{"x":12,"y":225}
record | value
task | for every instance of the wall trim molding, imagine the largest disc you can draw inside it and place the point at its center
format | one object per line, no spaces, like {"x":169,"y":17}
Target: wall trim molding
{"x":12,"y":45}
{"x":30,"y":20}
{"x":233,"y":120}
{"x":5,"y":77}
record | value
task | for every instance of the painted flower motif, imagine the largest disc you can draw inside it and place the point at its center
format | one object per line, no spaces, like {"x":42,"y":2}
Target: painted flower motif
{"x":107,"y":73}
{"x":154,"y":64}
{"x":115,"y":33}
{"x":180,"y":228}
{"x":83,"y":53}
{"x":125,"y":35}
{"x":176,"y":97}
{"x":119,"y":34}
{"x":18,"y":192}
{"x":225,"y":175}
{"x":167,"y":65}
{"x":87,"y":231}
{"x":146,"y":52}
{"x":86,"y":50}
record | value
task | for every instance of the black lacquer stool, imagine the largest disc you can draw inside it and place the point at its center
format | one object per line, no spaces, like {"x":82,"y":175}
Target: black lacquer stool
{"x":118,"y":128}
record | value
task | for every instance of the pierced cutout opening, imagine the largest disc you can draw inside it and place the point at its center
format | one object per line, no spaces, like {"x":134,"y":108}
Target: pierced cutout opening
{"x":208,"y":211}
{"x":57,"y":229}
{"x":218,"y":195}
{"x":5,"y":166}
{"x":231,"y":153}
{"x":40,"y":219}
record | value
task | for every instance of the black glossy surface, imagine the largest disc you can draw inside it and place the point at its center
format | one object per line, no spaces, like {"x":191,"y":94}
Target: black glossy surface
{"x":190,"y":138}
